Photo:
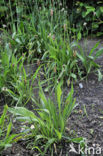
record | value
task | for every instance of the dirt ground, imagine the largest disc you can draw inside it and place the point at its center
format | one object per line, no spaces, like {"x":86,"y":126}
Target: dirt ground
{"x":86,"y":120}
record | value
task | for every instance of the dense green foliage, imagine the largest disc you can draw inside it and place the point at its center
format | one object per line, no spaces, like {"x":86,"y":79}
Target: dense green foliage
{"x":45,"y":30}
{"x":85,"y":17}
{"x":5,"y":129}
{"x":15,"y":83}
{"x":46,"y":33}
{"x":88,"y":17}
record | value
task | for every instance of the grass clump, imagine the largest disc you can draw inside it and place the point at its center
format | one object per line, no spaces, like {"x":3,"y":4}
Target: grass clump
{"x":49,"y":121}
{"x":6,"y":138}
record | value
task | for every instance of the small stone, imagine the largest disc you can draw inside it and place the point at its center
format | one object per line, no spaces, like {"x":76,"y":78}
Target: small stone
{"x":81,"y":85}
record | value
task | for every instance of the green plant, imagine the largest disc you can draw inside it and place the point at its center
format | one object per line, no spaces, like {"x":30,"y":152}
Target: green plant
{"x":69,"y":60}
{"x":88,"y":61}
{"x":8,"y":68}
{"x":22,"y":91}
{"x":86,"y":18}
{"x":63,"y":60}
{"x":5,"y":129}
{"x":49,"y":122}
{"x":15,"y":83}
{"x":32,"y":23}
{"x":9,"y":71}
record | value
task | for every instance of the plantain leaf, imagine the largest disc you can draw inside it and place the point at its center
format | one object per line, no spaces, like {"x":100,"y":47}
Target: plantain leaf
{"x":92,"y":50}
{"x":59,"y":93}
{"x":98,"y":53}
